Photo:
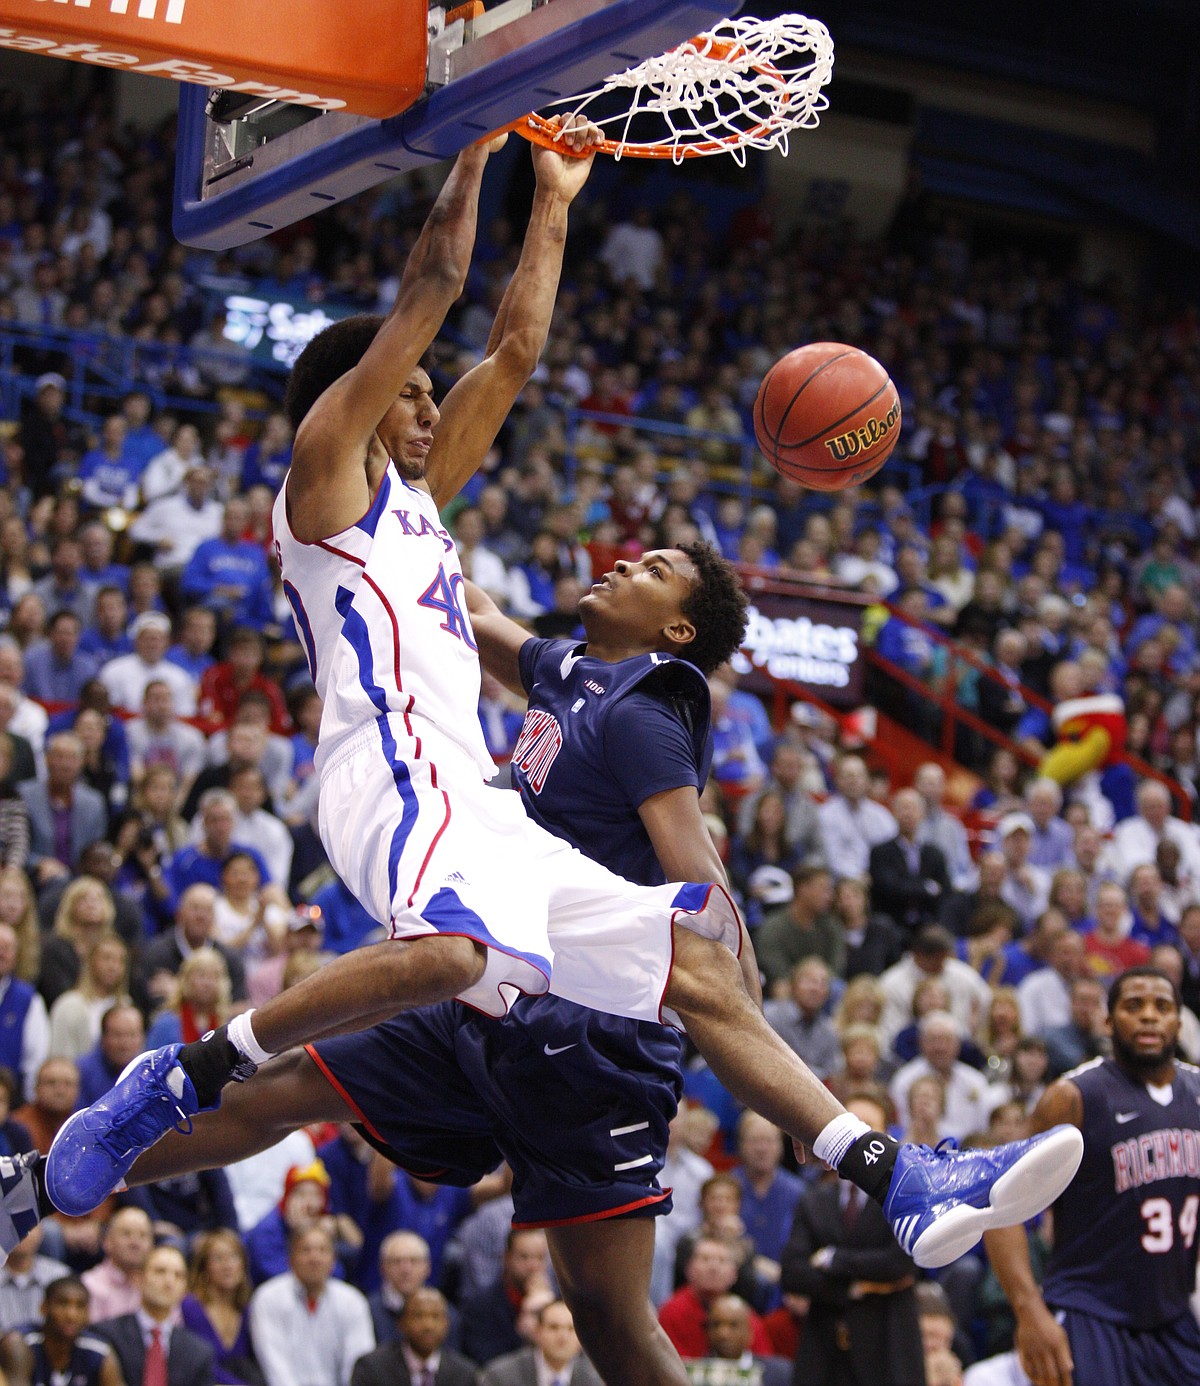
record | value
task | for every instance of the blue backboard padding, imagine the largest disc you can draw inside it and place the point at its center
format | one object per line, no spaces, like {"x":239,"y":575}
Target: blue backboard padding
{"x":575,"y":57}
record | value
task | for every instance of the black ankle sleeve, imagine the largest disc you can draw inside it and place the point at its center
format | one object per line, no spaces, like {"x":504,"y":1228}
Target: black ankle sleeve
{"x":210,"y":1063}
{"x":869,"y":1163}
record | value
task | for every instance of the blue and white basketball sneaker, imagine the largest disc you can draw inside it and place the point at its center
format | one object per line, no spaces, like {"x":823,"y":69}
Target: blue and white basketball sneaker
{"x":95,"y":1148}
{"x":18,"y":1200}
{"x":941,"y":1201}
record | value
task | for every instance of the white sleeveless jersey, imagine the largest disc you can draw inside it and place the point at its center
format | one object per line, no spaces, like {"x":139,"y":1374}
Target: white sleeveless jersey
{"x":381,"y":611}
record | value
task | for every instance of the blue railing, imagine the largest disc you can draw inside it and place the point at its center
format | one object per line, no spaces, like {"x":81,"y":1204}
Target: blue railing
{"x":100,"y":368}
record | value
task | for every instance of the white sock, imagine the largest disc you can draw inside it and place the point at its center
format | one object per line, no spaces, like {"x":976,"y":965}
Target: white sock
{"x":241,"y":1036}
{"x":833,"y":1142}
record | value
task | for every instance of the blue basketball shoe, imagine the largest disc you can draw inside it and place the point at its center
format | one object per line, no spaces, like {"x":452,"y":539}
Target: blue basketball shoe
{"x":941,"y":1201}
{"x":95,"y":1148}
{"x":18,"y":1200}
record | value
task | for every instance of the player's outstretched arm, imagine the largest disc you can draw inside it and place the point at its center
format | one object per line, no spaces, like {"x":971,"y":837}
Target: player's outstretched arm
{"x":475,"y":408}
{"x":327,"y":487}
{"x":1041,"y":1341}
{"x":499,"y":639}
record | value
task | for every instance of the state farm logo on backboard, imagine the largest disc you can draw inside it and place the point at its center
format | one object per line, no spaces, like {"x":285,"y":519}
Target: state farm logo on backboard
{"x":807,"y":642}
{"x":144,"y":9}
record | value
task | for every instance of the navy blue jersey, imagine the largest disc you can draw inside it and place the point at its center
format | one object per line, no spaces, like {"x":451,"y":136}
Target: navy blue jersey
{"x":578,"y":1101}
{"x":600,"y":739}
{"x":87,"y":1357}
{"x":1125,"y":1241}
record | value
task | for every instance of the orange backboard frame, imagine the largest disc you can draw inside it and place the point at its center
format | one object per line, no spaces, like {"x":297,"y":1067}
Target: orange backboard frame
{"x":364,"y":56}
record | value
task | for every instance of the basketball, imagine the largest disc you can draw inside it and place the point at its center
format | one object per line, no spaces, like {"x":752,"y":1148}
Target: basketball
{"x":827,"y":415}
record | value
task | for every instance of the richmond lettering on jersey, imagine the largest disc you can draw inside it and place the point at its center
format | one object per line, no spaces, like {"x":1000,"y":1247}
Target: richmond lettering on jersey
{"x":1170,"y":1153}
{"x":540,"y":741}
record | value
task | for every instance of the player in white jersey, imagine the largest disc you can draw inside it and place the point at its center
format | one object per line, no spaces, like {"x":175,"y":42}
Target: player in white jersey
{"x":481,"y":901}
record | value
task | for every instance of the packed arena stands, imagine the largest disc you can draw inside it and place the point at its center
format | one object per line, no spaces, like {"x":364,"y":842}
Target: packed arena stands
{"x":937,"y":932}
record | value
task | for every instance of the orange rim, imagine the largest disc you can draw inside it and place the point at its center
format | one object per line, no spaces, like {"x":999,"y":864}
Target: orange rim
{"x":538,"y":130}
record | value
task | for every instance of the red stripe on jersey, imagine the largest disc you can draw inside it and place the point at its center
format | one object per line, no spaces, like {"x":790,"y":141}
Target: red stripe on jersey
{"x":594,"y":1217}
{"x":341,"y":553}
{"x":387,"y":606}
{"x":341,"y":1092}
{"x":437,"y":835}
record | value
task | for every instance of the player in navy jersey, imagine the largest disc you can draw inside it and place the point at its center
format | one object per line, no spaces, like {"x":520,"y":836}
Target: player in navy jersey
{"x":1114,"y":1307}
{"x":60,"y":1352}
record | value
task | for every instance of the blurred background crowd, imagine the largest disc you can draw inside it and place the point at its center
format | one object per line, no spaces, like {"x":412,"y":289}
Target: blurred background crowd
{"x":936,"y":953}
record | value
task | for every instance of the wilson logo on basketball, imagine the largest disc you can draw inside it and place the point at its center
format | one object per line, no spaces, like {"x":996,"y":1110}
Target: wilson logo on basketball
{"x":874,"y":431}
{"x":540,"y":741}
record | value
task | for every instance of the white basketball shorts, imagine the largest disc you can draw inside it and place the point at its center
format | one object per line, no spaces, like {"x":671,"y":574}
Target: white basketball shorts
{"x":428,"y":848}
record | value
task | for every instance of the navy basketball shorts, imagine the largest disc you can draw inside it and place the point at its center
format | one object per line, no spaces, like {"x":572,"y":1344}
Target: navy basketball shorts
{"x":1109,"y":1354}
{"x":578,"y":1102}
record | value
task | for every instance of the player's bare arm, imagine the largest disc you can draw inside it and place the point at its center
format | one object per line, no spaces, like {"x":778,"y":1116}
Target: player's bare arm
{"x":473,"y":411}
{"x":499,"y":638}
{"x":329,"y":487}
{"x":686,"y":852}
{"x":1041,"y":1341}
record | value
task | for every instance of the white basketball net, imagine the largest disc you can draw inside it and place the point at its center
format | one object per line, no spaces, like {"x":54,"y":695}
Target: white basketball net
{"x":745,"y":84}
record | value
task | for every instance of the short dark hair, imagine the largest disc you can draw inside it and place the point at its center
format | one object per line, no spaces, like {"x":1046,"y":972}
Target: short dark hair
{"x":932,"y":938}
{"x":326,"y":358}
{"x":1131,"y":974}
{"x":65,"y":1284}
{"x":247,"y":635}
{"x":716,"y":606}
{"x":116,"y":1009}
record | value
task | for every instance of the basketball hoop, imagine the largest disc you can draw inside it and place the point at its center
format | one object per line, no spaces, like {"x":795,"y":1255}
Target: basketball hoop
{"x":745,"y":84}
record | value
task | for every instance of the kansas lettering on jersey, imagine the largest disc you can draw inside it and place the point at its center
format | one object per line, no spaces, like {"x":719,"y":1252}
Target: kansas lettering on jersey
{"x":381,"y":612}
{"x":1125,"y":1243}
{"x":599,"y":739}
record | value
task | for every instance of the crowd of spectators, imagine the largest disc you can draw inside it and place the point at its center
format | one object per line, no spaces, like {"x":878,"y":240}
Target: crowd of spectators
{"x":157,"y":729}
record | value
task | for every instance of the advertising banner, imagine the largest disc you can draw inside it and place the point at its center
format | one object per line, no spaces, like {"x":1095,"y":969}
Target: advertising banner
{"x":807,"y":641}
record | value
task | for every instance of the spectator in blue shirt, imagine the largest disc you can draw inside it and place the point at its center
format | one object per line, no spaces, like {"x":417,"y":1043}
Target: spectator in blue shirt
{"x":108,"y":635}
{"x":769,"y":1193}
{"x":907,"y":643}
{"x":1066,"y":514}
{"x":98,"y":569}
{"x":122,"y":1038}
{"x":202,"y":862}
{"x":1172,"y":617}
{"x":194,"y":650}
{"x":56,"y":668}
{"x":229,"y":574}
{"x":63,"y":587}
{"x":141,"y":440}
{"x":268,"y":458}
{"x":109,"y":474}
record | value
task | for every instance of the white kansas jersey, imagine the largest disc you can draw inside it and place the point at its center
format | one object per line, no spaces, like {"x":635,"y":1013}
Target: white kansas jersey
{"x":381,"y":611}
